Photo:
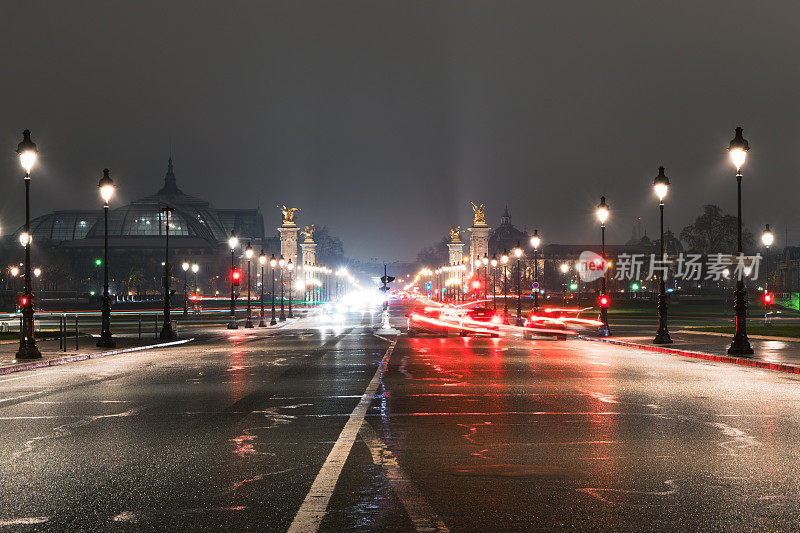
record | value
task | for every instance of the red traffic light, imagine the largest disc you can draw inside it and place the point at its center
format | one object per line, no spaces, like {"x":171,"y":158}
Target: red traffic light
{"x":767,"y":297}
{"x":23,"y":301}
{"x":236,"y":277}
{"x":604,"y":300}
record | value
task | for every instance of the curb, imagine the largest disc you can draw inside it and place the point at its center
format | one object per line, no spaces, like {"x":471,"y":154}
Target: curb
{"x":780,"y":367}
{"x":758,"y":337}
{"x":19,"y":367}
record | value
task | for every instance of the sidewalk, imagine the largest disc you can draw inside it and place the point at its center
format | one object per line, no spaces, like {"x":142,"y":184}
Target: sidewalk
{"x":770,"y":353}
{"x":52,"y":356}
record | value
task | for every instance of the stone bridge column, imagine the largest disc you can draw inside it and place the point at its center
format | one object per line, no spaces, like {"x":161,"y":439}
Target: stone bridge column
{"x":478,"y":244}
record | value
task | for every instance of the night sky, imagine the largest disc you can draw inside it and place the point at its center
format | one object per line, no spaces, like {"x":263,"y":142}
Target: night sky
{"x":384,"y":119}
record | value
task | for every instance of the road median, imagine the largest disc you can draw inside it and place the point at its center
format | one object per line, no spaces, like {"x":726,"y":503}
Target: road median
{"x":20,"y":366}
{"x":756,"y":363}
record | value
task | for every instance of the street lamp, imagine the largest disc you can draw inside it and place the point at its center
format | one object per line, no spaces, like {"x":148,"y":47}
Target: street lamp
{"x":518,"y":254}
{"x":602,"y":216}
{"x":272,"y":264}
{"x":741,"y":344}
{"x":106,"y":188}
{"x":536,"y":241}
{"x":485,"y":262}
{"x":248,"y":253}
{"x":661,"y":186}
{"x":262,"y":260}
{"x":564,"y":269}
{"x":504,"y":261}
{"x":290,"y":267}
{"x":27,"y":343}
{"x":494,"y":281}
{"x":767,"y":238}
{"x":233,"y":242}
{"x":166,"y":330}
{"x":281,"y":264}
{"x":195,"y":268}
{"x":185,"y":266}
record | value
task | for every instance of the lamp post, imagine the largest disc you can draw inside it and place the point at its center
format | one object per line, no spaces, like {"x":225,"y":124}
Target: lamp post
{"x":196,"y":289}
{"x":493,"y":262}
{"x":290,"y":268}
{"x":233,"y":242}
{"x":767,"y":238}
{"x":106,"y":188}
{"x":166,"y":330}
{"x":14,"y":271}
{"x":463,"y":295}
{"x":661,"y":186}
{"x":485,"y":262}
{"x":281,"y":264}
{"x":272,"y":264}
{"x":602,"y":216}
{"x":504,"y":261}
{"x":262,"y":260}
{"x":248,"y":253}
{"x":518,"y":254}
{"x":741,"y":344}
{"x":564,"y":269}
{"x":185,"y":266}
{"x":536,"y":241}
{"x":27,"y":343}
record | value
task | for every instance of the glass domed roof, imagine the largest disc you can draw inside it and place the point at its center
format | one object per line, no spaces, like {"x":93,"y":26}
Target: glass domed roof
{"x":191,"y":217}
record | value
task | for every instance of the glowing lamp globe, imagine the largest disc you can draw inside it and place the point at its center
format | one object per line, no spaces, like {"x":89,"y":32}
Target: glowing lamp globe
{"x":661,"y":184}
{"x":602,"y":210}
{"x":767,"y":238}
{"x":27,"y":152}
{"x":738,"y":149}
{"x":106,"y":186}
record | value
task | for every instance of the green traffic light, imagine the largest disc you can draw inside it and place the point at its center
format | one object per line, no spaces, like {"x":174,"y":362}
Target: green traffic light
{"x":635,"y":286}
{"x":98,"y":261}
{"x":573,"y":286}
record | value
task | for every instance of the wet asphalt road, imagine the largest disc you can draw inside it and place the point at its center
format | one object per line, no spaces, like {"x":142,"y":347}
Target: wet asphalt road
{"x":467,"y":434}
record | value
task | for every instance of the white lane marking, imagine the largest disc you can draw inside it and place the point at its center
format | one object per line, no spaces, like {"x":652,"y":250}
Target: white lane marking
{"x":417,"y":507}
{"x":740,"y":440}
{"x":595,"y":491}
{"x":312,"y":511}
{"x":66,"y":429}
{"x":15,"y":378}
{"x":3,"y":400}
{"x":25,"y":521}
{"x":138,"y":516}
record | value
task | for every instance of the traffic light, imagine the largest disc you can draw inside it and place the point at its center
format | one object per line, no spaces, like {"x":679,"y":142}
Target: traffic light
{"x":604,"y":300}
{"x":767,"y":298}
{"x":236,"y":277}
{"x":387,"y":279}
{"x":23,"y":301}
{"x":98,"y":262}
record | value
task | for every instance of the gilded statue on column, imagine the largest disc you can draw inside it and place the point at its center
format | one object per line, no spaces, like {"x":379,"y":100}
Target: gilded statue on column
{"x":479,"y":217}
{"x":308,"y":233}
{"x":288,"y":214}
{"x":455,"y":234}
